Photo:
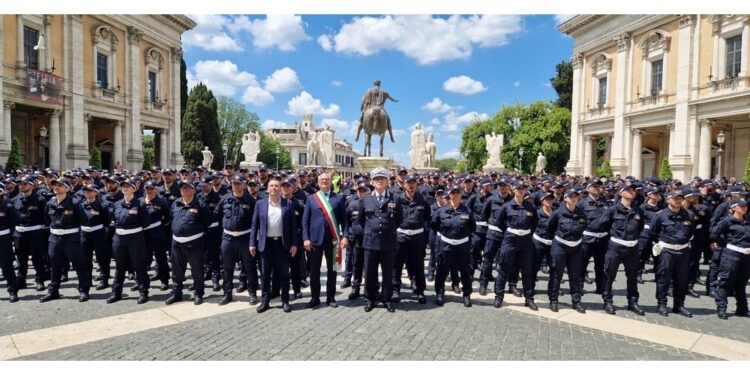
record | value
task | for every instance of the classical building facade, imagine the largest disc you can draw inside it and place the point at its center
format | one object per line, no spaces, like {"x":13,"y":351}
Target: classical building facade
{"x":661,"y":86}
{"x":74,"y":82}
{"x":295,"y":139}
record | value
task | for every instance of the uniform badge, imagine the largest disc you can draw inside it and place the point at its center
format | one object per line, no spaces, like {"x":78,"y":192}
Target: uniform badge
{"x":31,"y":208}
{"x":94,"y":213}
{"x":420,"y":207}
{"x":686,"y":222}
{"x":702,"y":213}
{"x":193,"y":210}
{"x":68,"y":212}
{"x":529,"y":214}
{"x":391,"y":205}
{"x":211,"y":205}
{"x":582,"y":221}
{"x":2,"y":214}
{"x":245,"y":206}
{"x":638,"y":217}
{"x":133,"y":211}
{"x":464,"y":217}
{"x":355,"y":212}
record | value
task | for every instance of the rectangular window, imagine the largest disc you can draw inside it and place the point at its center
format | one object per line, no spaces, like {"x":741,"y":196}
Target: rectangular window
{"x":30,"y":55}
{"x":734,"y":56}
{"x":102,"y":70}
{"x":152,"y":86}
{"x":657,"y":70}
{"x":602,"y":92}
{"x":302,"y":158}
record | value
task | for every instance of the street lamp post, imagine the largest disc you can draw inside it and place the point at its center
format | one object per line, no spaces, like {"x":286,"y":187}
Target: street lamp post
{"x":277,"y":158}
{"x":43,"y":141}
{"x":520,"y":160}
{"x":225,"y":147}
{"x":237,"y":159}
{"x":720,"y":138}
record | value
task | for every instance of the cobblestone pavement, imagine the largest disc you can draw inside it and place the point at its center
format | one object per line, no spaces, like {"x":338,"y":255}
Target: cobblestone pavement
{"x":413,"y":332}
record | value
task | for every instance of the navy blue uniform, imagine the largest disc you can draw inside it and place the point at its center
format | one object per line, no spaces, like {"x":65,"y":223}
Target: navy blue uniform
{"x":699,"y":244}
{"x":28,"y":239}
{"x":475,"y":203}
{"x":64,"y":219}
{"x":6,"y":249}
{"x":213,"y":236}
{"x":567,"y":228}
{"x":412,"y":239}
{"x":379,"y":220}
{"x":190,"y":222}
{"x":594,"y":241}
{"x":672,"y":230}
{"x":108,"y":203}
{"x":542,"y":239}
{"x":356,"y":254}
{"x":493,"y":238}
{"x":454,"y":228}
{"x":644,"y":240}
{"x":128,"y":244}
{"x":712,"y":282}
{"x":157,"y":242}
{"x":298,"y":264}
{"x":734,"y":269}
{"x":517,"y":222}
{"x":236,"y":216}
{"x":95,"y":218}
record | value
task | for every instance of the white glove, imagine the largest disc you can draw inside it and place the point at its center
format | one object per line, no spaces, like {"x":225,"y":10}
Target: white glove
{"x":656,"y":249}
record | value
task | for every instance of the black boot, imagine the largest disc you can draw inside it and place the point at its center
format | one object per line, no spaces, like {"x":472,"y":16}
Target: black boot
{"x":114,"y":297}
{"x":498,"y":302}
{"x":531,"y":305}
{"x":633,"y":306}
{"x":722,"y":313}
{"x":439,"y":299}
{"x":142,"y":297}
{"x":225,"y":299}
{"x":662,"y":310}
{"x":482,"y":290}
{"x":103,"y":284}
{"x":50,"y":296}
{"x":609,"y":308}
{"x":13,"y":297}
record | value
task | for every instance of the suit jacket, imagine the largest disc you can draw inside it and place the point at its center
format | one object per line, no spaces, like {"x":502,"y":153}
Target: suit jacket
{"x":259,"y":228}
{"x":314,"y":225}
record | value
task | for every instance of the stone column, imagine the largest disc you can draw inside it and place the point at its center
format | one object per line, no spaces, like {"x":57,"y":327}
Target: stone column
{"x":616,"y":146}
{"x":637,"y":163}
{"x":175,"y":159}
{"x":7,"y":137}
{"x":574,"y":162}
{"x":19,"y":45}
{"x":704,"y":157}
{"x":670,"y":141}
{"x":76,"y":152}
{"x":134,"y":157}
{"x":117,"y":140}
{"x":744,"y":53}
{"x":163,"y":148}
{"x":587,"y":155}
{"x":680,"y":158}
{"x":54,"y":140}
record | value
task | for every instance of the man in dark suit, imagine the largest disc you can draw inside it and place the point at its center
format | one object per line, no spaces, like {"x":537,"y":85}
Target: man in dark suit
{"x":323,"y":228}
{"x":274,"y":235}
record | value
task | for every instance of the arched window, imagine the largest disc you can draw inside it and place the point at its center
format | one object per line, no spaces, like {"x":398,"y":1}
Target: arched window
{"x":154,"y":89}
{"x":105,"y":44}
{"x":601,"y":66}
{"x":655,"y":54}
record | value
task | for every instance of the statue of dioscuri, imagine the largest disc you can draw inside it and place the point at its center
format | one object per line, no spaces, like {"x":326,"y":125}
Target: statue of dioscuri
{"x":312,"y":149}
{"x":494,"y":148}
{"x":374,"y":119}
{"x":208,"y":157}
{"x":430,"y":149}
{"x":541,"y":163}
{"x":250,"y":146}
{"x":417,"y":147}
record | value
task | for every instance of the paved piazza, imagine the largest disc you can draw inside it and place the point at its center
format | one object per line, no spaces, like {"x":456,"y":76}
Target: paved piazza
{"x":69,"y":330}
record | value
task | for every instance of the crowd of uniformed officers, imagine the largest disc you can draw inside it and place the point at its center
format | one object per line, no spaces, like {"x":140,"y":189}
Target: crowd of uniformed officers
{"x":276,"y":229}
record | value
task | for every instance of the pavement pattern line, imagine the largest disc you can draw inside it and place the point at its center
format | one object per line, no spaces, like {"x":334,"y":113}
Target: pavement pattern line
{"x":58,"y":337}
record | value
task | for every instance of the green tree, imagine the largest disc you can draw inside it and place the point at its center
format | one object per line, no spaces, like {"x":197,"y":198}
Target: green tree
{"x":747,"y":169}
{"x":665,"y":171}
{"x":267,"y":153}
{"x":183,"y":87}
{"x":200,"y":128}
{"x":235,"y":121}
{"x":95,"y":157}
{"x":563,"y":84}
{"x":473,"y":144}
{"x":148,"y":151}
{"x":14,"y":158}
{"x":446,"y":165}
{"x":605,"y":170}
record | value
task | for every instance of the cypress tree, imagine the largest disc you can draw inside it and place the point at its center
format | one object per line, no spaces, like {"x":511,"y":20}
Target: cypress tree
{"x":665,"y":172}
{"x":747,"y":169}
{"x":96,"y":157}
{"x":14,"y":158}
{"x":200,"y":128}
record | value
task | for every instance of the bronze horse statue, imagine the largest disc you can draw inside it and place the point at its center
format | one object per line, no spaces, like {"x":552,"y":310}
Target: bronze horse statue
{"x":375,"y":120}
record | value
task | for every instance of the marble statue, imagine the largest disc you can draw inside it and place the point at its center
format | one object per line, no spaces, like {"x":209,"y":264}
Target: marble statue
{"x":494,"y":149}
{"x":417,"y":147}
{"x":312,"y":149}
{"x":251,"y":146}
{"x":325,"y":141}
{"x":541,"y":163}
{"x":430,"y":149}
{"x":208,"y":157}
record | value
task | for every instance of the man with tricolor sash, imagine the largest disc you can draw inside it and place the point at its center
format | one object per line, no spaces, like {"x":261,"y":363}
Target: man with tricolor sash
{"x":324,"y":231}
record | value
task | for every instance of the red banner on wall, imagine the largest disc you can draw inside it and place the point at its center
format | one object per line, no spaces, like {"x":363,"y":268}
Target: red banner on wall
{"x":43,"y":86}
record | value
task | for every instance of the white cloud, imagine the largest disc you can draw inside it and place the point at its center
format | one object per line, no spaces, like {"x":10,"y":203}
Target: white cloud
{"x":305,"y":103}
{"x":268,"y":124}
{"x":335,"y":124}
{"x":435,"y":121}
{"x":282,"y":31}
{"x":437,"y":106}
{"x":209,"y":34}
{"x":256,"y":95}
{"x":222,"y":77}
{"x":464,"y":85}
{"x":454,"y":137}
{"x":282,"y":80}
{"x":517,"y":83}
{"x":399,"y":132}
{"x":560,"y":18}
{"x":336,"y":83}
{"x":423,"y":38}
{"x":547,"y":84}
{"x":453,"y":121}
{"x":452,"y":154}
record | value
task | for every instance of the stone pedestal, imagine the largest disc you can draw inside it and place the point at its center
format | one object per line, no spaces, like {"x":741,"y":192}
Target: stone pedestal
{"x":250,"y":165}
{"x":497,"y":168}
{"x":368,"y":163}
{"x":426,"y":170}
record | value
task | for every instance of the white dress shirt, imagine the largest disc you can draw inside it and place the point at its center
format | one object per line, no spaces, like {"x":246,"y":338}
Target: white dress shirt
{"x":274,"y":228}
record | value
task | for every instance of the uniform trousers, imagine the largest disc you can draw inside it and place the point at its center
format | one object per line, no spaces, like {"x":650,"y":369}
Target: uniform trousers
{"x":233,"y":250}
{"x":64,"y":248}
{"x":214,"y":265}
{"x":699,"y":243}
{"x":516,"y":253}
{"x":432,"y":259}
{"x":542,"y":252}
{"x":595,"y":250}
{"x":712,"y":283}
{"x":93,"y":243}
{"x":358,"y":261}
{"x":477,"y":247}
{"x":628,"y":256}
{"x":33,"y":244}
{"x":130,"y":254}
{"x":672,"y":268}
{"x":107,"y":254}
{"x":193,"y":253}
{"x":275,"y":261}
{"x":562,"y":257}
{"x":296,"y":266}
{"x":458,"y":260}
{"x":489,"y":254}
{"x":315,"y":261}
{"x":373,"y":259}
{"x":6,"y":264}
{"x":734,"y":272}
{"x":644,"y":250}
{"x":410,"y":251}
{"x":156,"y":248}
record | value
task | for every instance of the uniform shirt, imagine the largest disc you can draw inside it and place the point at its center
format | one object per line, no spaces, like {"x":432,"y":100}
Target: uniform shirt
{"x":108,"y":202}
{"x":63,"y":215}
{"x":236,"y":213}
{"x":672,"y":228}
{"x":352,"y":215}
{"x":416,"y":212}
{"x":648,"y":211}
{"x":475,"y":205}
{"x":621,"y":222}
{"x":210,"y":200}
{"x":732,"y":231}
{"x":94,"y":213}
{"x":189,"y":219}
{"x":6,"y":219}
{"x":489,"y":214}
{"x":129,"y":215}
{"x":542,"y":226}
{"x":702,"y":220}
{"x":379,"y":220}
{"x":722,"y":211}
{"x":455,"y":224}
{"x":170,"y":194}
{"x":298,"y":206}
{"x":566,"y":224}
{"x":28,"y":211}
{"x":517,"y":216}
{"x":592,"y":208}
{"x":157,"y":210}
{"x":273,"y":226}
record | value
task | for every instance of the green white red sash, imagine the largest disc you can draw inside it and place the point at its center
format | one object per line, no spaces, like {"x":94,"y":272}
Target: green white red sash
{"x":333,"y":226}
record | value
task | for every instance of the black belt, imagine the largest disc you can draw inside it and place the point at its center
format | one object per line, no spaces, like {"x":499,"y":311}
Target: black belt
{"x":277,"y":238}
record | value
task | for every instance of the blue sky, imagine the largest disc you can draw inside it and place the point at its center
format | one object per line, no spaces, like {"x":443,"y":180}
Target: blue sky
{"x":445,"y":70}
